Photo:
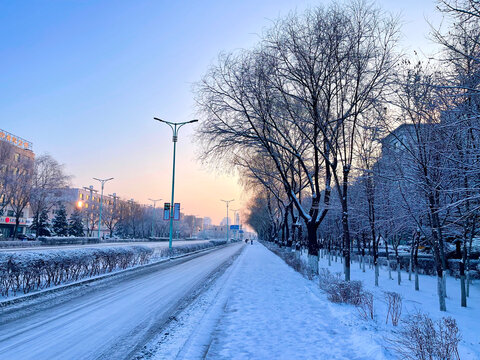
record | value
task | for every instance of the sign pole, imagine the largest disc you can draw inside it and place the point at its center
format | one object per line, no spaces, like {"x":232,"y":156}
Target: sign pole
{"x":175,"y":128}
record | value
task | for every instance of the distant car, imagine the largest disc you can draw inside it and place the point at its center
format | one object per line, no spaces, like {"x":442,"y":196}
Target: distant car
{"x":22,"y":237}
{"x":30,"y":237}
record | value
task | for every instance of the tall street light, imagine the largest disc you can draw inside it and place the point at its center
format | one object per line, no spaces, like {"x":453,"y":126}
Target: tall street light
{"x":102,"y":181}
{"x":154,"y":217}
{"x":235,"y":217}
{"x":175,"y":128}
{"x":227,"y":202}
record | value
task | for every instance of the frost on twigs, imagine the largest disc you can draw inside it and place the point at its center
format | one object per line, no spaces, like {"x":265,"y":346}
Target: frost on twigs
{"x":365,"y":306}
{"x":339,"y":291}
{"x":420,"y":338}
{"x":394,"y":302}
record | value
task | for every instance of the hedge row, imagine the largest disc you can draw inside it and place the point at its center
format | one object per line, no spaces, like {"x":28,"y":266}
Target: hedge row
{"x":69,"y":240}
{"x":35,"y":270}
{"x":18,"y":244}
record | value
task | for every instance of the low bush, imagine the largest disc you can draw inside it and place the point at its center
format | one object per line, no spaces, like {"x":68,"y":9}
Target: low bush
{"x":69,"y":240}
{"x":394,"y":301}
{"x":365,"y":307}
{"x":35,"y":270}
{"x":339,"y":291}
{"x":291,"y":258}
{"x":18,"y":243}
{"x":420,"y":338}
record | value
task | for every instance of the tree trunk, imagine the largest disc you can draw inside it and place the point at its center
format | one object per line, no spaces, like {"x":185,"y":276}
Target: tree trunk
{"x":415,"y":262}
{"x":312,"y":246}
{"x":346,"y":240}
{"x":439,"y":270}
{"x":388,"y":261}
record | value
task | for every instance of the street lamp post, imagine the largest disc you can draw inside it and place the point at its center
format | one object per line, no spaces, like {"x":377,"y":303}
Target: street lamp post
{"x":154,"y":217}
{"x":175,"y":128}
{"x":227,"y":202}
{"x":235,"y":222}
{"x":90,"y":211}
{"x":102,"y":181}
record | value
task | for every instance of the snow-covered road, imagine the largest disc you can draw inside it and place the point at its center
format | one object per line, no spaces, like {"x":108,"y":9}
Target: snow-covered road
{"x":110,"y":323}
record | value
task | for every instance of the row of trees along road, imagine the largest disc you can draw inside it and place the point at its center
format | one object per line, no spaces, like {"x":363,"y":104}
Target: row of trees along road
{"x":340,"y":135}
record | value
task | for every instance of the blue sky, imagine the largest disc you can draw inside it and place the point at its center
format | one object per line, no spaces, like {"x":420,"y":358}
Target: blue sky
{"x":83,"y":79}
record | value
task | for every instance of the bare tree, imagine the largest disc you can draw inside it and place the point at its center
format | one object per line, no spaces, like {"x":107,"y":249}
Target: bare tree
{"x":48,"y":179}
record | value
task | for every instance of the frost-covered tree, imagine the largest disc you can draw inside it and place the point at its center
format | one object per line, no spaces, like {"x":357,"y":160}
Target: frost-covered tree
{"x":40,"y":224}
{"x":300,"y":95}
{"x":75,"y":226}
{"x":60,"y":223}
{"x":47,"y":180}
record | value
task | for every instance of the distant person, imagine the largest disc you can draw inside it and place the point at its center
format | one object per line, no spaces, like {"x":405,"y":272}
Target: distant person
{"x":251,"y":242}
{"x":246,"y":241}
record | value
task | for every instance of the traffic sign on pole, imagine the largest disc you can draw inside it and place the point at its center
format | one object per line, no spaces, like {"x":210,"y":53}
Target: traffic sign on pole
{"x":166,"y":211}
{"x":176,"y":211}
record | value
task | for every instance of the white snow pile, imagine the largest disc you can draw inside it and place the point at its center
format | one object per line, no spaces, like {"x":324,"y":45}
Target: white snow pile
{"x":34,"y":270}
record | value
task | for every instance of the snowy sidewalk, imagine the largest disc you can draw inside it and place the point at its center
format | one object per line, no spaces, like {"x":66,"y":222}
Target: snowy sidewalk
{"x":272,"y":312}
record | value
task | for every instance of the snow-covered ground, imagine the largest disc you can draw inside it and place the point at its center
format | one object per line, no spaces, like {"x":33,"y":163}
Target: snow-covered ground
{"x":425,"y":300}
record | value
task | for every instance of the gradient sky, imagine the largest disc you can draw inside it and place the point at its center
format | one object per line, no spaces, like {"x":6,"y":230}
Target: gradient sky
{"x":82,"y":80}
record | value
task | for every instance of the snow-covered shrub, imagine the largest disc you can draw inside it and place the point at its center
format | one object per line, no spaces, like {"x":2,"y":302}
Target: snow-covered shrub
{"x":340,"y":291}
{"x":67,"y":240}
{"x":365,"y":307}
{"x":34,"y":270}
{"x":394,"y":301}
{"x":326,"y":278}
{"x":298,"y":263}
{"x":420,"y":338}
{"x":349,"y":292}
{"x":18,"y":244}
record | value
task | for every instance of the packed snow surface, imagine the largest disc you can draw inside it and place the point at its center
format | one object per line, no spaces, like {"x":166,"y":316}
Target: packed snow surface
{"x":263,"y":309}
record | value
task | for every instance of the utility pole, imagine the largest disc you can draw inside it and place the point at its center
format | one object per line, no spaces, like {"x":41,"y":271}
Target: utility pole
{"x":154,"y":217}
{"x":175,"y":128}
{"x":102,"y":181}
{"x":227,"y":202}
{"x":91,"y":190}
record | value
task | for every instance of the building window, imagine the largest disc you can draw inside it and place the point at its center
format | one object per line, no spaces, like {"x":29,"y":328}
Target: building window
{"x":81,"y":196}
